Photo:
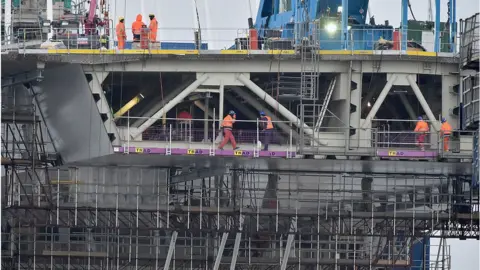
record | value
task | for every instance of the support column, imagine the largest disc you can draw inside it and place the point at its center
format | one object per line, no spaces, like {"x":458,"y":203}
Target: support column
{"x":408,"y":107}
{"x":345,"y":36}
{"x":171,"y":248}
{"x":8,"y":20}
{"x":404,"y":25}
{"x":450,"y":100}
{"x":437,"y":26}
{"x":102,"y":103}
{"x":202,"y":107}
{"x":453,"y":25}
{"x":380,"y":100}
{"x":238,"y":238}
{"x":283,"y":126}
{"x":221,"y":101}
{"x":220,"y":251}
{"x":205,"y":117}
{"x":423,"y":102}
{"x":281,"y":109}
{"x":288,"y":247}
{"x":158,"y":102}
{"x":172,"y":103}
{"x":355,"y":110}
{"x":235,"y":103}
{"x":50,"y":17}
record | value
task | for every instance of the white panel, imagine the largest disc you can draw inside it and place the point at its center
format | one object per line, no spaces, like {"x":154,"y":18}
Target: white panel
{"x":427,"y":40}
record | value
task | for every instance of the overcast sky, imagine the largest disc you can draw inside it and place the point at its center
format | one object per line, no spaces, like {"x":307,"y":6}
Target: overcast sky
{"x":224,"y":21}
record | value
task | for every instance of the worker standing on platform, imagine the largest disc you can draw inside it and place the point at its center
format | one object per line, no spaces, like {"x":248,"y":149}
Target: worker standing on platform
{"x":445,"y":131}
{"x":266,"y":126}
{"x":153,"y":26}
{"x":422,"y":129}
{"x":227,"y":126}
{"x":137,"y":28}
{"x":121,"y":34}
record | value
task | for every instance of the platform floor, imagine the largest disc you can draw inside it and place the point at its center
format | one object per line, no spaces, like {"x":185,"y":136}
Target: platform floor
{"x":266,"y":162}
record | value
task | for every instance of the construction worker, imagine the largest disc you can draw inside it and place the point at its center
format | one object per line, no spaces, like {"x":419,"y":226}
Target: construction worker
{"x":267,"y":130}
{"x":137,"y":28}
{"x":227,"y":126}
{"x":121,"y":34}
{"x":153,"y":26}
{"x":445,"y":131}
{"x":421,"y":128}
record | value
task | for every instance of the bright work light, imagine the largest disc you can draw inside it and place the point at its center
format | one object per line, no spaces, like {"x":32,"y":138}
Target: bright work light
{"x":331,"y":27}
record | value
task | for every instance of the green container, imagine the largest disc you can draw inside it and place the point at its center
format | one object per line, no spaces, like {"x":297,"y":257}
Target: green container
{"x":15,"y":3}
{"x":415,"y":29}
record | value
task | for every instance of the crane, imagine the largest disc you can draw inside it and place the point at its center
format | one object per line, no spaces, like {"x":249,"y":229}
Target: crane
{"x":279,"y":22}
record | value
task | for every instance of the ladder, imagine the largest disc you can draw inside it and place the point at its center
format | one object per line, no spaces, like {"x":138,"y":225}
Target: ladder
{"x":324,"y":107}
{"x":308,"y":73}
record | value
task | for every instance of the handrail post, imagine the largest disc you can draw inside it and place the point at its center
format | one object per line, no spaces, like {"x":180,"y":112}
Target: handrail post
{"x":258,"y":136}
{"x":128,"y":132}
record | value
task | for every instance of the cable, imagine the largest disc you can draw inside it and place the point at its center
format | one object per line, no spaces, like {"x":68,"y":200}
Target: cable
{"x":411,"y":11}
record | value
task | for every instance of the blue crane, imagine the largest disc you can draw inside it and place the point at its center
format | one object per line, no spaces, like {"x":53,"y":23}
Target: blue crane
{"x":289,"y":20}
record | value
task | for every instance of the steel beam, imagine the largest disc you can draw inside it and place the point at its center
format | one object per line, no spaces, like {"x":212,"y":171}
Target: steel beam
{"x":286,"y":254}
{"x":159,"y":103}
{"x":172,"y":103}
{"x":202,"y":107}
{"x":248,"y":113}
{"x":275,"y":104}
{"x":252,"y":101}
{"x":227,"y":64}
{"x":236,"y":247}
{"x":380,"y":100}
{"x":21,"y":78}
{"x":423,"y":102}
{"x":134,"y":101}
{"x":171,"y":248}
{"x":408,"y":107}
{"x":220,"y":251}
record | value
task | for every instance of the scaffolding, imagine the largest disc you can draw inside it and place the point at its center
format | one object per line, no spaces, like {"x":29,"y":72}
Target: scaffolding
{"x":150,"y":218}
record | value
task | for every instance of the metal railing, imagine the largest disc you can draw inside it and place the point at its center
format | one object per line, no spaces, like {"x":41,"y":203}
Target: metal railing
{"x":249,"y":135}
{"x":470,"y":40}
{"x":232,"y":39}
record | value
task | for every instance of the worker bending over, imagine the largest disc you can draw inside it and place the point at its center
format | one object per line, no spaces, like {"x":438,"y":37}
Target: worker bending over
{"x":137,"y":27}
{"x":227,"y":126}
{"x":422,"y":129}
{"x":445,"y":131}
{"x":266,"y":126}
{"x":121,"y":34}
{"x":153,"y":26}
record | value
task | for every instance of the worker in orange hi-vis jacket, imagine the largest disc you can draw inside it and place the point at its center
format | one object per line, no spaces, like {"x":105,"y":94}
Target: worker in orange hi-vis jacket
{"x":137,"y":27}
{"x":422,"y":129}
{"x":445,"y":131}
{"x":121,"y":34}
{"x":227,"y":126}
{"x":153,"y":26}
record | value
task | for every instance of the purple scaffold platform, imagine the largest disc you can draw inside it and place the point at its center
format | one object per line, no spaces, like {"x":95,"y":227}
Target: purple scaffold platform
{"x":395,"y":153}
{"x":201,"y":152}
